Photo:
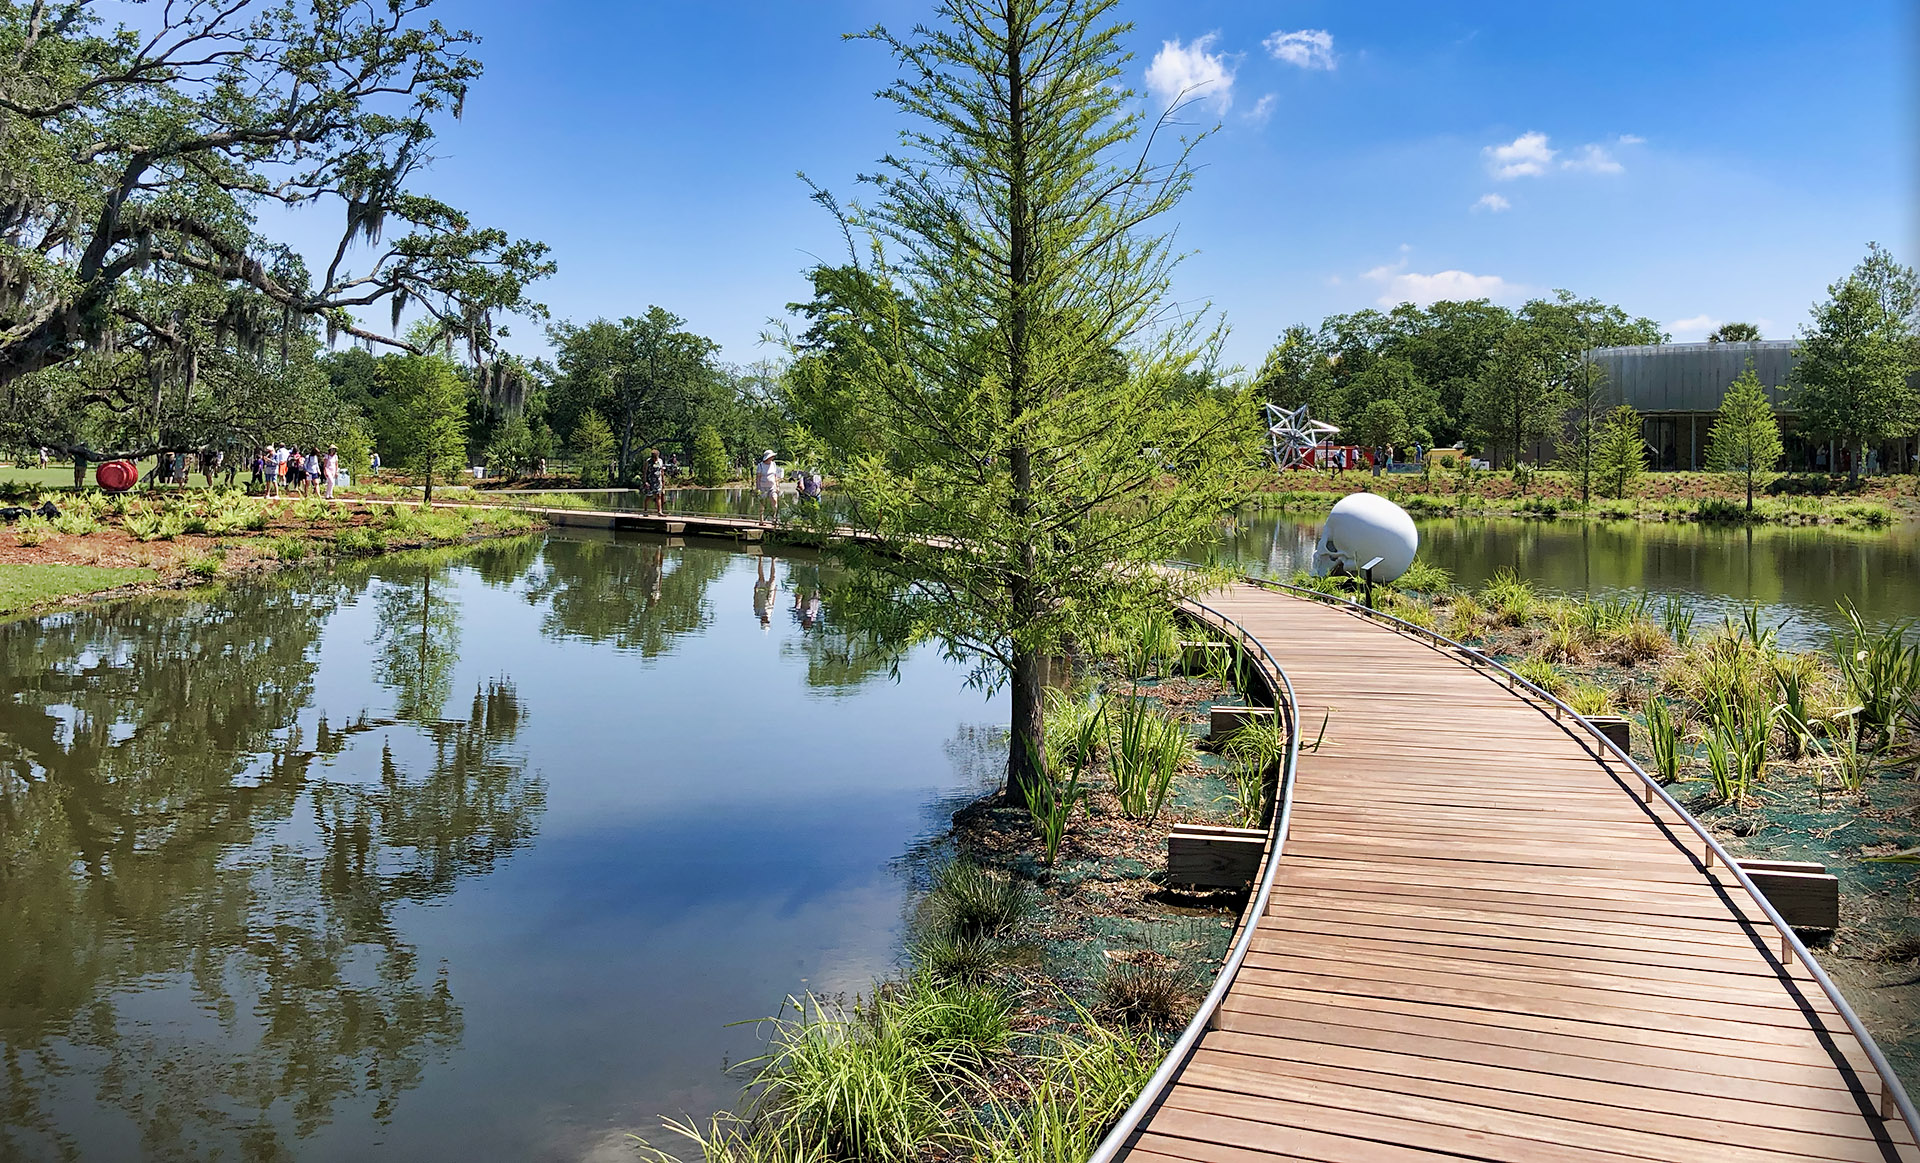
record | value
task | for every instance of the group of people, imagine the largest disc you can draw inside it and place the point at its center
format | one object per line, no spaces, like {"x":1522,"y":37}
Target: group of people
{"x":283,"y":471}
{"x":766,"y":485}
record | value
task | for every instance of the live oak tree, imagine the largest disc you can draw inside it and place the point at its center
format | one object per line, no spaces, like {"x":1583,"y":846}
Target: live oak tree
{"x":1044,"y":446}
{"x":1746,"y":436}
{"x":1853,"y":378}
{"x":648,"y":377}
{"x":132,"y":164}
{"x":1382,"y":426}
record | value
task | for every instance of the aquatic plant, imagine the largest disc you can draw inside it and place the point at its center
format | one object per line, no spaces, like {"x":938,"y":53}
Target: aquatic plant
{"x":1663,"y":740}
{"x":1676,"y":618}
{"x":1424,"y":577}
{"x":870,"y":1083}
{"x":1510,"y":594}
{"x":1465,"y":615}
{"x":1145,"y":752}
{"x":1074,"y":729}
{"x":1086,"y":1081}
{"x":1881,"y":672}
{"x":968,"y":901}
{"x":1051,"y":804}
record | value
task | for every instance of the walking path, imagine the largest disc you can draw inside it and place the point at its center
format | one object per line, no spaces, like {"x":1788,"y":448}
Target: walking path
{"x":1482,"y":944}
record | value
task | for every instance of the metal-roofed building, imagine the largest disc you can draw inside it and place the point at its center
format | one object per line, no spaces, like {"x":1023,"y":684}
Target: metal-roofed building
{"x":1677,"y":389}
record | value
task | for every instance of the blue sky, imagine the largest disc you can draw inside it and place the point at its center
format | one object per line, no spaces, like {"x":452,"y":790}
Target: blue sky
{"x":1695,"y":162}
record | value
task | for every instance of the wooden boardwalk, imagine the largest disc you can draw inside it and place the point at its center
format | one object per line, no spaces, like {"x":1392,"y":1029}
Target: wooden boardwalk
{"x":1482,"y":944}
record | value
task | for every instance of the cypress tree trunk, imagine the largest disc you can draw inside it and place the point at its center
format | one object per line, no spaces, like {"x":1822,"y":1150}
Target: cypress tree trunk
{"x":1026,"y":758}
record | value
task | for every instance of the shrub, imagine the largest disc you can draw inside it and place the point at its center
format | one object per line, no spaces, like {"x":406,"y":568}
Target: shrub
{"x":31,"y":531}
{"x":1543,"y":674}
{"x":1589,"y":700}
{"x":1508,"y":593}
{"x":1720,"y":510}
{"x":710,"y":467}
{"x":77,"y":521}
{"x":205,"y":565}
{"x":1424,"y":577}
{"x":291,"y":548}
{"x":1637,"y":641}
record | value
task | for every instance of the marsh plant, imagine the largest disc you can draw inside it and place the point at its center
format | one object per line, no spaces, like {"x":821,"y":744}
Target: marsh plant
{"x":1509,"y":595}
{"x":1085,"y":1084}
{"x":1256,"y":750}
{"x":1146,"y":750}
{"x":968,"y":901}
{"x":1881,"y":672}
{"x":1676,"y":618}
{"x":1663,"y":740}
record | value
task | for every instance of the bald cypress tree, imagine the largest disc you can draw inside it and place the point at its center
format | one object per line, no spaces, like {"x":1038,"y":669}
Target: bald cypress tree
{"x":1043,"y":429}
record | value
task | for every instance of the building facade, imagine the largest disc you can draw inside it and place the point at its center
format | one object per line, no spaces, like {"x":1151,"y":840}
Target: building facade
{"x":1677,"y":388}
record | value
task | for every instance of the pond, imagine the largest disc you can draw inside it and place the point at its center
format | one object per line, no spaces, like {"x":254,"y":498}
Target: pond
{"x":1797,"y":575}
{"x":471,"y":856}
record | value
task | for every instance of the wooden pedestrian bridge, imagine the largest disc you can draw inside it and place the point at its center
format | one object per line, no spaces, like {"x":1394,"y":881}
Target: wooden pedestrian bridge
{"x":1482,"y":932}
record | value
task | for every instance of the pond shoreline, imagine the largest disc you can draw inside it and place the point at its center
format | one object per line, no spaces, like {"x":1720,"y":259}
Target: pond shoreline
{"x":215,"y":537}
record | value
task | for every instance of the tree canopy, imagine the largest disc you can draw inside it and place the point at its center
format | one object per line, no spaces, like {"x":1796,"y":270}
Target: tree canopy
{"x":1853,"y":381}
{"x":141,"y":305}
{"x":1746,"y":437}
{"x":1031,"y":388}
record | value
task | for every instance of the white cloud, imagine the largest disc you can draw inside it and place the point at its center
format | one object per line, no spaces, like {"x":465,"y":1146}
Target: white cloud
{"x":1695,"y":327}
{"x":1262,"y":109}
{"x":1492,"y":203}
{"x":1309,"y":48}
{"x":1593,"y":159}
{"x":1191,"y":73}
{"x":1404,"y":286}
{"x":1631,"y":139}
{"x":1526,"y":157}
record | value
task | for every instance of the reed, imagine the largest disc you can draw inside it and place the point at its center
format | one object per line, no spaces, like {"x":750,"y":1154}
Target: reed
{"x":1663,"y":740}
{"x":1881,"y":672}
{"x":1146,"y":750}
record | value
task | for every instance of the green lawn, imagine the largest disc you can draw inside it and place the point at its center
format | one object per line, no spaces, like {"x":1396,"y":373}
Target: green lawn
{"x":27,"y":585}
{"x":54,"y":476}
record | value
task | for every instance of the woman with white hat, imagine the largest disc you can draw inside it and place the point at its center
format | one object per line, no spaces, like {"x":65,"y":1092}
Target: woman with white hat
{"x":766,"y":483}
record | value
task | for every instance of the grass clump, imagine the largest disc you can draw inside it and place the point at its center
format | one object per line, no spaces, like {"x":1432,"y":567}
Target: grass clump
{"x":291,"y":548}
{"x":1509,"y":595}
{"x":968,"y":902}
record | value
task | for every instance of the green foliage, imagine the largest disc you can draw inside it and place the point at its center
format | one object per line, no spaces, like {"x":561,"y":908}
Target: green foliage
{"x":1424,"y":577}
{"x":1663,"y":740}
{"x":648,"y":377}
{"x":1510,"y":595}
{"x":1853,"y":377}
{"x":1543,"y":674}
{"x":1881,"y":671}
{"x":971,"y":902}
{"x":1515,"y":401}
{"x":1013,"y":354}
{"x":1734,"y":333}
{"x":291,"y":548}
{"x":1745,"y":440}
{"x":510,"y":453}
{"x":593,"y":449}
{"x":428,"y":399}
{"x":710,"y":467}
{"x":1620,"y":455}
{"x":138,"y":161}
{"x":1085,"y":1083}
{"x":1146,"y":750}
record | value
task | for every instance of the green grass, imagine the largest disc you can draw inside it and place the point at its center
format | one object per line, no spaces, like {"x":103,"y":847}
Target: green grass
{"x":22,"y":586}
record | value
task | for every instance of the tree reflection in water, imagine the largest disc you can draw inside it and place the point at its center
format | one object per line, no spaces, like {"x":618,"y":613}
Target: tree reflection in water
{"x":198,"y":905}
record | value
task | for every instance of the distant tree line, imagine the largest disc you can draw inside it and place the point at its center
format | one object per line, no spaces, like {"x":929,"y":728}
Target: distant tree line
{"x":1511,"y":382}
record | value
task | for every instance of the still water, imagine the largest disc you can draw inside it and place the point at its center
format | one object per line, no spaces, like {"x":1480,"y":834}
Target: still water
{"x":1797,"y":575}
{"x":468,"y":857}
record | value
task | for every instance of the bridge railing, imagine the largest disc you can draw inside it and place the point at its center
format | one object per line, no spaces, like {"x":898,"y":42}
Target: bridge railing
{"x":1289,"y":709}
{"x":1894,"y":1097}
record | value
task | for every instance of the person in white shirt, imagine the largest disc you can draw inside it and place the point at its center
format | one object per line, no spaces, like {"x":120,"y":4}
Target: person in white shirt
{"x":330,"y":468}
{"x":280,"y":457}
{"x":766,"y":484}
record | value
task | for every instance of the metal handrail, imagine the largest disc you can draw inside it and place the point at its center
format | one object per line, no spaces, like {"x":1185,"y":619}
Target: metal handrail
{"x":1892,"y":1091}
{"x":1182,"y":1049}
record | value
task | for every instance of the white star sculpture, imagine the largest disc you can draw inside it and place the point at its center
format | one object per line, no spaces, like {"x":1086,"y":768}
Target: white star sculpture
{"x":1292,"y":434}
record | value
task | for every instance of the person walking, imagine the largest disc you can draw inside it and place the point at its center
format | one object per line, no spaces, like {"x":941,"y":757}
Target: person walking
{"x":313,"y":470}
{"x":766,"y":484}
{"x":281,"y":454}
{"x":330,"y":468}
{"x":653,"y":480}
